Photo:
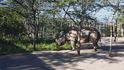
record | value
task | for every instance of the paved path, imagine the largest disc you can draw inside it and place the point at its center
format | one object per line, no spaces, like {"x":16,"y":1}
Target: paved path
{"x":64,"y":60}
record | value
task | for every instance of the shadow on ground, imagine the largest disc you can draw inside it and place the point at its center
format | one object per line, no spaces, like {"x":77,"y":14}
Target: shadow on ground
{"x":25,"y":61}
{"x":47,"y":60}
{"x":102,"y":54}
{"x":19,"y":61}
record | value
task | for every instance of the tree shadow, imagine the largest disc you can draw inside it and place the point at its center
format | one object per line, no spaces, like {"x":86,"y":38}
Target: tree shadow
{"x":45,"y":60}
{"x":23,"y":61}
{"x":17,"y":60}
{"x":115,"y":48}
{"x":58,"y":59}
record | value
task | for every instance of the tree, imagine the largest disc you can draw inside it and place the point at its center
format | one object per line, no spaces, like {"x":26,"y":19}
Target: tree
{"x":10,"y":23}
{"x":30,"y":10}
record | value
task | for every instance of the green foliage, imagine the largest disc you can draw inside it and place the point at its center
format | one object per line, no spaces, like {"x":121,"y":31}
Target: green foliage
{"x":121,"y":19}
{"x":13,"y":19}
{"x":7,"y":47}
{"x":62,"y":3}
{"x":10,"y":24}
{"x":12,"y":29}
{"x":46,"y":46}
{"x":65,"y":47}
{"x":52,"y":11}
{"x":53,"y":46}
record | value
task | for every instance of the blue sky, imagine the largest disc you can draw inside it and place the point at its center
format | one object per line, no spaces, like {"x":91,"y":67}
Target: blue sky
{"x":2,"y":0}
{"x":104,"y":15}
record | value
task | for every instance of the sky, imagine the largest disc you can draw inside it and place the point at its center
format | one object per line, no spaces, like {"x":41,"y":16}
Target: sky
{"x":2,"y":1}
{"x":104,"y":15}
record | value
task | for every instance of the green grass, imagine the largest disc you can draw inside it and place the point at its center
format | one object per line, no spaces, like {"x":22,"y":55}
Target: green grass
{"x":52,"y":46}
{"x":7,"y":47}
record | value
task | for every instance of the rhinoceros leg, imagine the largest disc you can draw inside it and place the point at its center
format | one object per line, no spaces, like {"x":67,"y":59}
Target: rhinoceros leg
{"x":72,"y":45}
{"x":78,"y":45}
{"x":95,"y":46}
{"x":78,"y":50}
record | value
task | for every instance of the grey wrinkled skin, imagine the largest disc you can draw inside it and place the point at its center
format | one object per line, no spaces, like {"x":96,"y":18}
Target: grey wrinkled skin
{"x":77,"y":36}
{"x":60,"y":38}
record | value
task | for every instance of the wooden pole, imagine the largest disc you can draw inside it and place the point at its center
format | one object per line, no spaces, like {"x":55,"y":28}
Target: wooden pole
{"x":111,"y":33}
{"x":110,"y":49}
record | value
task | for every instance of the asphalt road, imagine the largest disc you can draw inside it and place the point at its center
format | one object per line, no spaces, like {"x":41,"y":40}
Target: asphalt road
{"x":64,"y":60}
{"x":67,"y":59}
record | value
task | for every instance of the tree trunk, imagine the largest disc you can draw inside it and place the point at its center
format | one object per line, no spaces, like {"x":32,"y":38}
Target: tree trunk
{"x":115,"y":37}
{"x":35,"y":29}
